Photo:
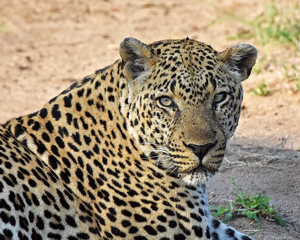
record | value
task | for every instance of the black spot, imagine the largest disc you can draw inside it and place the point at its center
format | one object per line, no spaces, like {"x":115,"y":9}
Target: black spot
{"x":62,"y":200}
{"x":4,"y":205}
{"x":150,"y":230}
{"x":31,"y":216}
{"x":111,"y":217}
{"x":32,"y":183}
{"x":146,"y":210}
{"x":186,"y":231}
{"x":88,"y":154}
{"x":87,"y":114}
{"x":53,"y":162}
{"x":4,"y":217}
{"x":111,"y":98}
{"x":98,"y":84}
{"x":54,"y":149}
{"x":73,"y":147}
{"x":68,"y":100}
{"x":8,"y":165}
{"x":104,"y":124}
{"x":35,"y":235}
{"x":56,"y":114}
{"x":196,"y":216}
{"x":49,"y":127}
{"x":46,"y":137}
{"x":201,"y":212}
{"x":87,"y":139}
{"x":118,"y":232}
{"x":76,"y":137}
{"x":23,"y":223}
{"x":169,"y":212}
{"x":7,"y":233}
{"x":92,"y":182}
{"x":80,"y":93}
{"x":89,"y":91}
{"x":190,"y":204}
{"x":18,"y":130}
{"x":126,"y":213}
{"x":53,"y":235}
{"x":134,"y":204}
{"x":40,"y":223}
{"x":108,"y":235}
{"x":161,"y":228}
{"x":125,"y":223}
{"x":162,"y":218}
{"x":198,"y":231}
{"x":215,"y":223}
{"x":96,"y":149}
{"x":172,"y":224}
{"x":60,"y":142}
{"x":230,"y":232}
{"x":69,"y":118}
{"x":133,"y":230}
{"x":119,"y":202}
{"x":30,"y":122}
{"x":81,"y":188}
{"x":100,"y":219}
{"x":71,"y":221}
{"x":179,"y":237}
{"x":215,"y":236}
{"x":207,"y":233}
{"x":78,"y":107}
{"x":36,"y":126}
{"x":110,"y":115}
{"x":35,"y":199}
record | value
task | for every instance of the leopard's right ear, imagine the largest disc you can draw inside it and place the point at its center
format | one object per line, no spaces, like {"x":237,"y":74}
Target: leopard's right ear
{"x":239,"y":60}
{"x":137,"y":59}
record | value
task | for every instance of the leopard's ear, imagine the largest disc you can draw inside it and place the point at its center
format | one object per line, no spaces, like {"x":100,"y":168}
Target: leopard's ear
{"x":137,"y":59}
{"x":239,"y":60}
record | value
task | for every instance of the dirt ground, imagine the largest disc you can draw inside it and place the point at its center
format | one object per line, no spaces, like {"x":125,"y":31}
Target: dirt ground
{"x":45,"y":46}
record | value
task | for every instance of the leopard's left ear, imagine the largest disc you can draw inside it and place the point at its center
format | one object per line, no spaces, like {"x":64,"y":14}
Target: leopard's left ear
{"x":239,"y":60}
{"x":137,"y":59}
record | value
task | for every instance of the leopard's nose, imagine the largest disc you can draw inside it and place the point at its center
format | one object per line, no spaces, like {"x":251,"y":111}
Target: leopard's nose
{"x":199,"y":150}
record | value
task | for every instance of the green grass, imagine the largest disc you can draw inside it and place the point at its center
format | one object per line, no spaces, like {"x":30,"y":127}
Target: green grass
{"x":2,"y":28}
{"x":261,"y":89}
{"x":273,"y":26}
{"x":276,"y":25}
{"x":251,"y":207}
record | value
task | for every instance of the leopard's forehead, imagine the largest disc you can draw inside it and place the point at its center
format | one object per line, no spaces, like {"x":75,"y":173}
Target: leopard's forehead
{"x":187,"y":68}
{"x":171,"y":47}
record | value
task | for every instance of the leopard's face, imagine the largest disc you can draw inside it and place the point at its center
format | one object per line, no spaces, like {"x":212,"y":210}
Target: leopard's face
{"x":186,"y":109}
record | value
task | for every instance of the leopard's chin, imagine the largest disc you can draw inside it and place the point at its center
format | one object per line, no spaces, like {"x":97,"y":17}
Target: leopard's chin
{"x":198,"y":176}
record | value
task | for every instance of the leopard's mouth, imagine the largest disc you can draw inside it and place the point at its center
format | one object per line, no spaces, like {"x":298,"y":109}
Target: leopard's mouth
{"x":201,"y":153}
{"x":180,"y":170}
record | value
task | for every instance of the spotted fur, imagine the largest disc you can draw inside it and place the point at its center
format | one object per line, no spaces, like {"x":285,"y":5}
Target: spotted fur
{"x":126,"y":152}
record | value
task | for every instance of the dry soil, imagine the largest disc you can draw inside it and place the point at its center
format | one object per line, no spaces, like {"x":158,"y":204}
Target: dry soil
{"x":45,"y":46}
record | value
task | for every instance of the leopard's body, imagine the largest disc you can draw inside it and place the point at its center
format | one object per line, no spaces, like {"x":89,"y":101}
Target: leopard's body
{"x":125,"y":153}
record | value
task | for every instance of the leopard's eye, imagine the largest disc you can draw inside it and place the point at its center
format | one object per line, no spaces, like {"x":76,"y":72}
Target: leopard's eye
{"x":219,"y":97}
{"x":166,"y":101}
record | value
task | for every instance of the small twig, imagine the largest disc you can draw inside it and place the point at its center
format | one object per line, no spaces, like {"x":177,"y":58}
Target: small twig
{"x":278,"y":145}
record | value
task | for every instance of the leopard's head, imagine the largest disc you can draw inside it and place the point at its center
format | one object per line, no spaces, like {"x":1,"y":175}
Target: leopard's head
{"x":183,"y":102}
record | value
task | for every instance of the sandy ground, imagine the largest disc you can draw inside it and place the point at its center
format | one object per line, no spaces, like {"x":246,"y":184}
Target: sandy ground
{"x":45,"y":46}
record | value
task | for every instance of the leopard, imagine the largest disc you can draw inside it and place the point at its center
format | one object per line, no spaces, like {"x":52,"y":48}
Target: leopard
{"x":126,"y":152}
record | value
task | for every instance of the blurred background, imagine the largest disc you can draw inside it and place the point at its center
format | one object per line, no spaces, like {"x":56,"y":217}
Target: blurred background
{"x":45,"y":46}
